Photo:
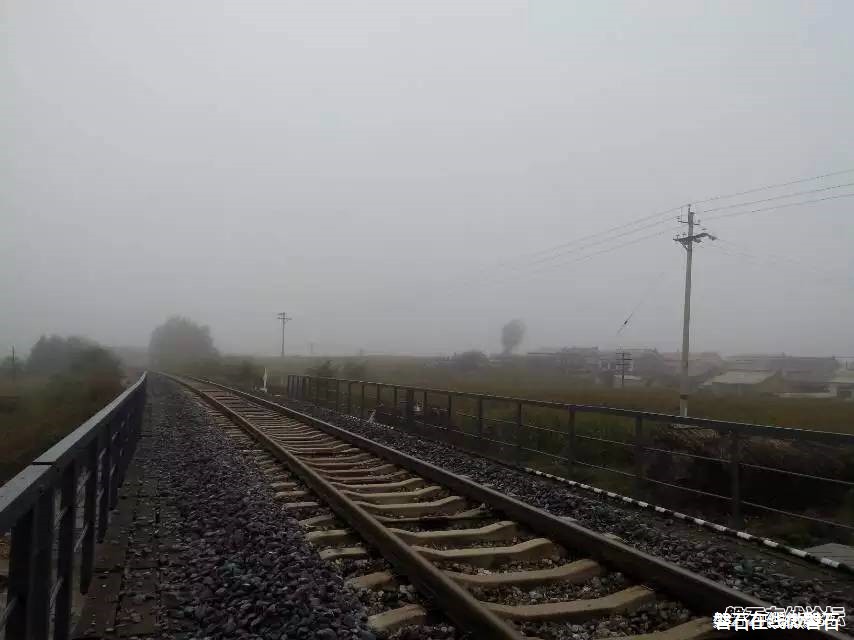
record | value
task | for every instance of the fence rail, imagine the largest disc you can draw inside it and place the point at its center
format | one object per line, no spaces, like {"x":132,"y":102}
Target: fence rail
{"x":40,"y":506}
{"x":438,"y":413}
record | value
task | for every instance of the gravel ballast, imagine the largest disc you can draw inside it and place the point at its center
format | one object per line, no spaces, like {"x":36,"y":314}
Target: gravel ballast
{"x":242,"y":567}
{"x":774,"y":579}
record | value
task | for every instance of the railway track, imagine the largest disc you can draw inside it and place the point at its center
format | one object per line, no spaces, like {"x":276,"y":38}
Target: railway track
{"x":497,"y":567}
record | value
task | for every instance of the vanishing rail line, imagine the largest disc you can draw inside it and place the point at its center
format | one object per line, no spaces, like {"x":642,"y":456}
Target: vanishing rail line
{"x":461,"y":544}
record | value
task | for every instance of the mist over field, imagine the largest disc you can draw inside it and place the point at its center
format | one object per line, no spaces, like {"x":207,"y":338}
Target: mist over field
{"x":408,"y":177}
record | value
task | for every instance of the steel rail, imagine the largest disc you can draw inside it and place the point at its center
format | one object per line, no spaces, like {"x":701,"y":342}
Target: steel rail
{"x":453,"y":600}
{"x":696,"y":591}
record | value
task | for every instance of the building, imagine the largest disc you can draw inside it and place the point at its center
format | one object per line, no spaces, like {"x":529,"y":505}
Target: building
{"x":567,"y":359}
{"x":801,"y":374}
{"x":745,"y":382}
{"x":841,"y":385}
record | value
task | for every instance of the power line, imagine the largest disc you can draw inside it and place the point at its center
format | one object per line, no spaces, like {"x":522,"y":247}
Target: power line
{"x":597,"y":234}
{"x":826,"y":277}
{"x":782,"y":197}
{"x":557,"y":249}
{"x":774,"y":186}
{"x":583,"y":258}
{"x":593,"y":244}
{"x":780,"y":206}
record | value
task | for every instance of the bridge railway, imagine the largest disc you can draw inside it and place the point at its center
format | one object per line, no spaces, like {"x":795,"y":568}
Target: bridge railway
{"x":495,"y":566}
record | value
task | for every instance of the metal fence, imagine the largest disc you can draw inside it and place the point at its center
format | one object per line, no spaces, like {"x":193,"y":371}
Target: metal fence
{"x":731,"y":466}
{"x":50,"y":543}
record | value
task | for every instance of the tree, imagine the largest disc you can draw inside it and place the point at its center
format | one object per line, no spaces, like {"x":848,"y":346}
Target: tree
{"x":180,"y":342}
{"x":512,"y":334}
{"x":95,"y":362}
{"x":54,"y":354}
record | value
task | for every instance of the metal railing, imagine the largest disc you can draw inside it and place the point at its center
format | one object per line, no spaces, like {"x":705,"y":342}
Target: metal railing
{"x":504,"y":428}
{"x":40,"y":505}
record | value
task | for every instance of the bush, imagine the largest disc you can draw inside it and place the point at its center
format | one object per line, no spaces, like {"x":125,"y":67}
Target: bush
{"x":470,"y":361}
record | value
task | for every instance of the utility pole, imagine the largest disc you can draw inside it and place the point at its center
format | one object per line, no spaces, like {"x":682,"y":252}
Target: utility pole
{"x":687,"y":241}
{"x":14,"y":365}
{"x":284,"y":318}
{"x":623,"y":361}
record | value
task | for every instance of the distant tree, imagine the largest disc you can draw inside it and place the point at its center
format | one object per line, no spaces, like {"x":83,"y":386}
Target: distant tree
{"x":469,"y":361}
{"x":324,"y":370}
{"x":95,"y":362}
{"x":512,"y":334}
{"x":54,"y":354}
{"x":180,"y":342}
{"x":354,"y":370}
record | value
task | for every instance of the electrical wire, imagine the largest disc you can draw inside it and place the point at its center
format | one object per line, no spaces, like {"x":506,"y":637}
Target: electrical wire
{"x":773,"y":186}
{"x":595,"y":235}
{"x":835,"y":280}
{"x":782,"y":197}
{"x":652,"y":286}
{"x":592,"y":244}
{"x":584,"y":258}
{"x":779,"y":206}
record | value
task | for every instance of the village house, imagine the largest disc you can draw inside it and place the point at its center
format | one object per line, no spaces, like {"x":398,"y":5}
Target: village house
{"x":800,"y":374}
{"x":744,"y":382}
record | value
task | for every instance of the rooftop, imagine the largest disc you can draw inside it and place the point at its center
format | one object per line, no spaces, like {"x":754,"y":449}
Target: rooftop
{"x":742,"y":377}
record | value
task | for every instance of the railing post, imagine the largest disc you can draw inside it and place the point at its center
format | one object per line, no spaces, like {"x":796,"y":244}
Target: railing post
{"x":450,"y":423}
{"x":396,"y":400}
{"x":410,"y":408}
{"x":735,"y":478}
{"x":349,"y":398}
{"x":570,"y":444}
{"x":519,"y":426}
{"x":337,"y":394}
{"x":38,"y":602}
{"x":316,"y":382}
{"x":105,"y":455}
{"x":65,"y":553}
{"x":379,"y":395}
{"x":640,"y":450}
{"x":87,"y":552}
{"x":480,"y":416}
{"x":21,"y":576}
{"x":123,"y":445}
{"x":362,"y":401}
{"x":115,"y":461}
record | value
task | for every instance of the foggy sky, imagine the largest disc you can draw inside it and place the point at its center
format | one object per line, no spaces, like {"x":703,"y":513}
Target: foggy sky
{"x":366,"y":167}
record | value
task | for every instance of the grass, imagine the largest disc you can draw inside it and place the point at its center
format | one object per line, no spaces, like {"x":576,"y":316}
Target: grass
{"x":48,"y":409}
